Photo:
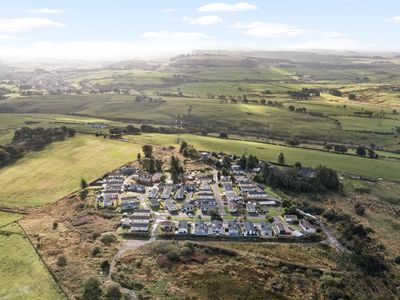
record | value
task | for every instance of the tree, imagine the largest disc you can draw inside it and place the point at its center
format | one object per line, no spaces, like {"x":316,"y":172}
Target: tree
{"x":372,"y":154}
{"x":243,"y":162}
{"x":223,"y":135}
{"x":174,"y":176}
{"x":147,"y":150}
{"x":91,"y":289}
{"x":297,"y":164}
{"x":327,"y":178}
{"x":292,"y":108}
{"x":360,"y":151}
{"x":159,"y":164}
{"x":139,"y":157}
{"x":225,"y":171}
{"x":281,"y":158}
{"x":360,"y":209}
{"x":84,"y":184}
{"x":184,"y":145}
{"x":293,"y":142}
{"x":83,"y":194}
{"x":352,"y":96}
{"x":227,"y":161}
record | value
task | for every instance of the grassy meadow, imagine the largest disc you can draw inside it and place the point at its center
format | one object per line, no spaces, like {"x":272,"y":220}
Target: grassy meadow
{"x":45,"y":176}
{"x":23,"y":275}
{"x":8,"y":218}
{"x":308,"y":157}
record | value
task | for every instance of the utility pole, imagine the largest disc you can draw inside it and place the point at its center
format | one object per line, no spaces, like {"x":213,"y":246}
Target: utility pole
{"x":179,"y":123}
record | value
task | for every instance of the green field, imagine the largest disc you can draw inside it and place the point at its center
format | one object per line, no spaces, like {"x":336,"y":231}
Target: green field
{"x":343,"y":163}
{"x":7,"y":218}
{"x":45,"y":176}
{"x":23,"y":275}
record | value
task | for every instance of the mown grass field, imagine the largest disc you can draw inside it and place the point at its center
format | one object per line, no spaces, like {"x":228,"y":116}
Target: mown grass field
{"x":343,"y":163}
{"x":45,"y":176}
{"x":23,"y":275}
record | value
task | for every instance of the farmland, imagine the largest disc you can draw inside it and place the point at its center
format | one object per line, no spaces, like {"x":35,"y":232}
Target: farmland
{"x":8,"y":218}
{"x":344,"y":163}
{"x":45,"y":176}
{"x":23,"y":275}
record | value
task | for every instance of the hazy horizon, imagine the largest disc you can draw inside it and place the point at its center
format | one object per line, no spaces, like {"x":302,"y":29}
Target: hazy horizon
{"x":100,"y":30}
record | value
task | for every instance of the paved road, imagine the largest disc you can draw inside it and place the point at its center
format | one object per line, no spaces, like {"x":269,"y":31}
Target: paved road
{"x":218,"y":197}
{"x":330,"y":238}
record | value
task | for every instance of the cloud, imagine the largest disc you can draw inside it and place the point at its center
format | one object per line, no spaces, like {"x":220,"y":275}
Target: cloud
{"x":6,"y":37}
{"x":166,"y":35}
{"x":46,"y":11}
{"x":26,"y":24}
{"x":259,"y":29}
{"x":268,"y":30}
{"x":168,"y":10}
{"x":395,"y":19}
{"x":221,"y":6}
{"x":205,"y":20}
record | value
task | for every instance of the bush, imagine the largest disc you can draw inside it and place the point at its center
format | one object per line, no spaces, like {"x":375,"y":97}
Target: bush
{"x":397,"y":260}
{"x":108,"y":238}
{"x":91,"y":289}
{"x":61,"y":261}
{"x":95,"y":251}
{"x":186,"y":251}
{"x":360,"y":209}
{"x":113,"y":291}
{"x":173,"y":256}
{"x":105,"y":267}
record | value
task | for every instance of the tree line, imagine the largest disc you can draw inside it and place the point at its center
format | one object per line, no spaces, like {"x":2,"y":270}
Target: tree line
{"x":27,"y":139}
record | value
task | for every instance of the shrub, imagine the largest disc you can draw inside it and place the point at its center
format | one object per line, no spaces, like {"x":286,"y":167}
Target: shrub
{"x":108,"y":238}
{"x":173,"y":255}
{"x":61,"y":261}
{"x":55,"y":225}
{"x":105,"y":267}
{"x":186,"y":251}
{"x":113,"y":291}
{"x":397,"y":260}
{"x":360,"y":209}
{"x":91,"y":289}
{"x":95,"y":251}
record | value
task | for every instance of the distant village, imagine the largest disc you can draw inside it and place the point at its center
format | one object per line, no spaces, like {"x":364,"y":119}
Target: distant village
{"x":205,"y":204}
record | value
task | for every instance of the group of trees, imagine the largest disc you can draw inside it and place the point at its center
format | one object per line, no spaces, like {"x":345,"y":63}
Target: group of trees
{"x":117,"y":132}
{"x":325,"y":180}
{"x":362,"y":151}
{"x":39,"y":137}
{"x":305,"y":93}
{"x":149,"y":163}
{"x":188,"y":150}
{"x":27,"y":139}
{"x":248,"y":163}
{"x":176,"y":169}
{"x":298,"y":109}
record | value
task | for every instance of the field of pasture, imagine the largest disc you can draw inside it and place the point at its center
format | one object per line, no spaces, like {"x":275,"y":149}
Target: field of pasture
{"x":23,"y":274}
{"x":43,"y":177}
{"x":344,"y":163}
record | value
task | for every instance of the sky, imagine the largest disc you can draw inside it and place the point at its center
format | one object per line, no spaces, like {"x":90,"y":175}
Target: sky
{"x":128,"y":29}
